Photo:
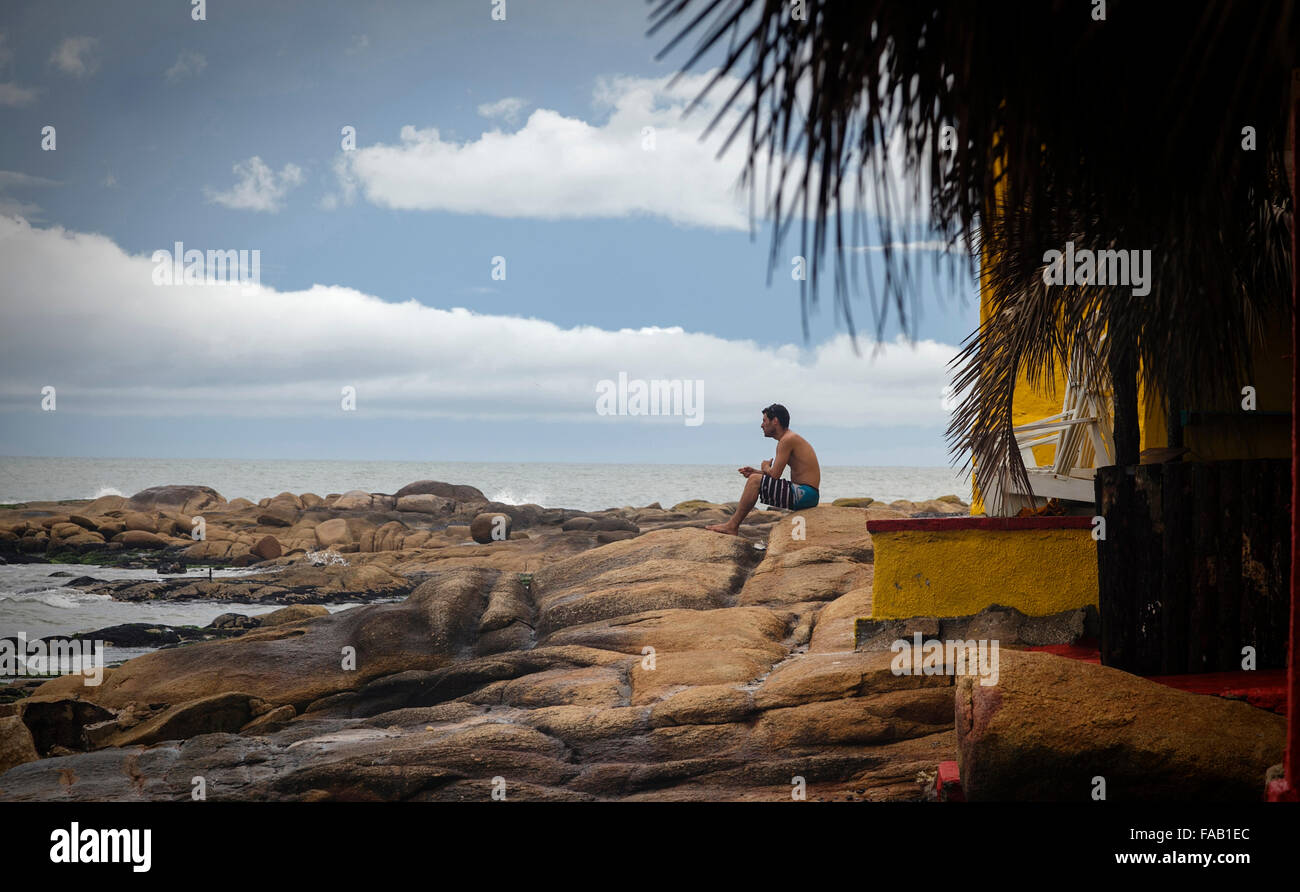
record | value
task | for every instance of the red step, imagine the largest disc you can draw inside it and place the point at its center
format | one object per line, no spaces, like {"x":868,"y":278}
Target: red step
{"x":1264,"y":688}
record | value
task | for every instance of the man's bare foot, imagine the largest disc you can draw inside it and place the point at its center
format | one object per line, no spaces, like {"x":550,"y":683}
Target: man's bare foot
{"x":723,"y":528}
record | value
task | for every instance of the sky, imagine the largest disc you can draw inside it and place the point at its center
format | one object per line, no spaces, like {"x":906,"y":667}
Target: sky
{"x":463,"y":226}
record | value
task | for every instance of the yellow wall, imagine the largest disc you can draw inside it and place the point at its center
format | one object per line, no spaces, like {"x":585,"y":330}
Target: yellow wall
{"x":1239,"y":435}
{"x":960,"y":572}
{"x":1213,"y":439}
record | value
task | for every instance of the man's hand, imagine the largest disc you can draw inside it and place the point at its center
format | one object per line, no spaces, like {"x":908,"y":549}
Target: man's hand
{"x":767,"y":463}
{"x":747,"y":470}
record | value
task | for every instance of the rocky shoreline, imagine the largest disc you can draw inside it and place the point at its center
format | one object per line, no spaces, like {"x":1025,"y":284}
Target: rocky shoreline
{"x":627,"y":654}
{"x":333,"y":549}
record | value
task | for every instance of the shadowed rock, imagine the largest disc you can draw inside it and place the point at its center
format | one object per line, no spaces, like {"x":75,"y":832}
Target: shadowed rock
{"x":1051,"y":725}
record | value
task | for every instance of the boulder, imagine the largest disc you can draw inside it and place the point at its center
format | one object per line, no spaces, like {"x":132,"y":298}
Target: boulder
{"x":488,"y":528}
{"x":1051,"y":725}
{"x":140,"y":539}
{"x":333,"y":532}
{"x":614,"y":536}
{"x":16,"y":745}
{"x":108,"y":527}
{"x":392,"y":536}
{"x":861,"y":502}
{"x":457,"y":493}
{"x":292,"y":614}
{"x":185,"y":499}
{"x":426,"y":503}
{"x":138,"y":520}
{"x":356,"y":500}
{"x":103,"y":505}
{"x":267,"y":548}
{"x":229,"y":621}
{"x":207,"y":550}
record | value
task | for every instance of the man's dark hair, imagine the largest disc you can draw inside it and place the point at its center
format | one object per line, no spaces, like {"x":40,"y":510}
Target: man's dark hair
{"x":780,"y":413}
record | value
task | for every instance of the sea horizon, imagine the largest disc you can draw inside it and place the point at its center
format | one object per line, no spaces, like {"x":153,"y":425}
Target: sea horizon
{"x":586,"y":486}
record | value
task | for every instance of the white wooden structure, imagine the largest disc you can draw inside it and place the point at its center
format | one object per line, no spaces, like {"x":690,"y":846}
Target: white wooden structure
{"x":1081,"y":433}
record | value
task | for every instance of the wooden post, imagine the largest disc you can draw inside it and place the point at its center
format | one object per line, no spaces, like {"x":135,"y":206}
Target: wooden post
{"x":1288,"y":788}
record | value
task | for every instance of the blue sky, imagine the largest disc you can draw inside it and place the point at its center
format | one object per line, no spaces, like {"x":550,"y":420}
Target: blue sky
{"x":522,"y":139}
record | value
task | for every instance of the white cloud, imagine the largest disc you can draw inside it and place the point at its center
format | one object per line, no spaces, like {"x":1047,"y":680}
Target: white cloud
{"x":188,"y":64}
{"x":258,"y":187}
{"x":14,"y":96}
{"x":127,"y":346}
{"x":359,"y":44}
{"x":75,"y":56}
{"x":644,"y":159}
{"x":506,"y":109}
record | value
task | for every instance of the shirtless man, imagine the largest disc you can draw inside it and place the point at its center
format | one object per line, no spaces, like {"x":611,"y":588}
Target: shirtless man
{"x":797,"y":493}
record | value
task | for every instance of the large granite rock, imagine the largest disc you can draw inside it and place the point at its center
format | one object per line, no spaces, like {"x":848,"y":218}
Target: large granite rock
{"x":813,"y":555}
{"x":454,"y":492}
{"x":1051,"y":725}
{"x":184,"y":499}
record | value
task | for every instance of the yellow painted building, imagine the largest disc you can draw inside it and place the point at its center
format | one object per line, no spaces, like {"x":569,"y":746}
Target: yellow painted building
{"x":959,"y":566}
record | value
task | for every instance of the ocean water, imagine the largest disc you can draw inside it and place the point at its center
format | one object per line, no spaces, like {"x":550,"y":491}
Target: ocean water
{"x":36,"y":604}
{"x":587,"y":487}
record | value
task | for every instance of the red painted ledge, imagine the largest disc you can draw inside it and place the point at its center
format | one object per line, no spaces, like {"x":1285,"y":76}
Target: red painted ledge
{"x":953,"y":524}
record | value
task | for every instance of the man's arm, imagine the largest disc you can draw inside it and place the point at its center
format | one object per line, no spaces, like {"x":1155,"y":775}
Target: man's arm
{"x":777,"y":465}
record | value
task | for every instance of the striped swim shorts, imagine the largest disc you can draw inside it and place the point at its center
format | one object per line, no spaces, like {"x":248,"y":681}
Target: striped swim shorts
{"x":784,"y":494}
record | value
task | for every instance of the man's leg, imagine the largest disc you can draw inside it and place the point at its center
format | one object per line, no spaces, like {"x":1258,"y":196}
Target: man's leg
{"x":748,"y":498}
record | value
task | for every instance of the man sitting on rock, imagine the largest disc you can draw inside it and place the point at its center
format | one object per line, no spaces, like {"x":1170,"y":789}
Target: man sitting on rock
{"x":795,"y":494}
